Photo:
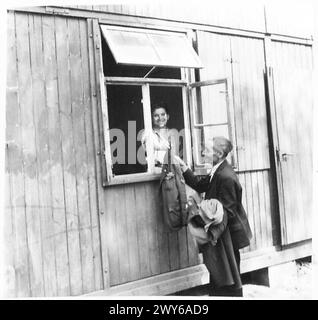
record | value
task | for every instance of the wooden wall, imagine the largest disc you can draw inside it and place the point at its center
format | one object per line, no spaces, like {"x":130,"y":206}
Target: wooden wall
{"x":52,"y":184}
{"x":54,"y":191}
{"x":278,"y":17}
{"x":139,"y":243}
{"x":294,"y":19}
{"x":226,"y":14}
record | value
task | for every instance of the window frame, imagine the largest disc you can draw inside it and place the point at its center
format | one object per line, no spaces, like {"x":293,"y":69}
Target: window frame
{"x":187,"y":77}
{"x":190,"y":106}
{"x":201,"y":169}
{"x":145,"y":84}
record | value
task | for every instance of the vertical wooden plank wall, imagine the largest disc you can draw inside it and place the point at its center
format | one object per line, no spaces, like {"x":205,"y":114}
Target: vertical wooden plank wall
{"x":55,"y":165}
{"x":266,"y":17}
{"x":250,"y":110}
{"x":42,"y":155}
{"x":50,"y":159}
{"x":17,"y":259}
{"x":225,"y":14}
{"x":241,"y":61}
{"x":278,"y":23}
{"x":139,"y":243}
{"x":26,"y":105}
{"x":66,"y":104}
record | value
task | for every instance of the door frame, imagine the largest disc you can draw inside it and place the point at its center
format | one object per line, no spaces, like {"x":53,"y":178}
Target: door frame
{"x":273,"y":139}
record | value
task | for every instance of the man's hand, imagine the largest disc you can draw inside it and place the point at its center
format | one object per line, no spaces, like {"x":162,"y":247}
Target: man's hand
{"x":181,"y":163}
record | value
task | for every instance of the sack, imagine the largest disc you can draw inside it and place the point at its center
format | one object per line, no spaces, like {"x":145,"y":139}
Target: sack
{"x":173,"y":195}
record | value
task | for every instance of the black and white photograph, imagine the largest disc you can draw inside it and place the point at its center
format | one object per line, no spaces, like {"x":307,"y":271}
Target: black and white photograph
{"x":159,"y":149}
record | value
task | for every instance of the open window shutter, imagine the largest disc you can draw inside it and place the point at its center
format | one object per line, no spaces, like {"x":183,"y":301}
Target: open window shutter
{"x":145,"y":47}
{"x":210,"y":117}
{"x":107,"y":151}
{"x":98,"y":97}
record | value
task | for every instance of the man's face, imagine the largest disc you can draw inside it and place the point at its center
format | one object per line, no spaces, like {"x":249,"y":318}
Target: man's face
{"x":211,"y":154}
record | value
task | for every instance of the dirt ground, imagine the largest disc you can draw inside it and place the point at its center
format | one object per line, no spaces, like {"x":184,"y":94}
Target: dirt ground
{"x":297,"y":287}
{"x":294,"y":286}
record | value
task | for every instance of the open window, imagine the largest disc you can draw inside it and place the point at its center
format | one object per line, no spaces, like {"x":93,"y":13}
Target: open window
{"x":211,"y":116}
{"x":142,"y":67}
{"x":134,"y":46}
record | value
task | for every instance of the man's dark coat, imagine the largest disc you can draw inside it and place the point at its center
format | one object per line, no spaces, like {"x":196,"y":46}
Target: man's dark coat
{"x":233,"y":233}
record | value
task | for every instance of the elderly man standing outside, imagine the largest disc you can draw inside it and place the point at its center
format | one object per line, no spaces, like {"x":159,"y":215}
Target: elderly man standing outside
{"x":221,"y":255}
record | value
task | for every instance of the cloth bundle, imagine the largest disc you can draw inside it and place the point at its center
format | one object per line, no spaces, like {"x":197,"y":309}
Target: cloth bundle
{"x":203,"y":214}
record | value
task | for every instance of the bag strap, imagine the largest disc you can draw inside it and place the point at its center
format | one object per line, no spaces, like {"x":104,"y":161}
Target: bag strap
{"x":169,"y":154}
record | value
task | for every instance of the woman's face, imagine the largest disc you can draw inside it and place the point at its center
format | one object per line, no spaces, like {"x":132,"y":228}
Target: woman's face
{"x":160,"y":118}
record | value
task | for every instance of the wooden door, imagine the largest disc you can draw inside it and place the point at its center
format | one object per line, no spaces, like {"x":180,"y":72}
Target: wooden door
{"x":292,"y":84}
{"x":240,"y":60}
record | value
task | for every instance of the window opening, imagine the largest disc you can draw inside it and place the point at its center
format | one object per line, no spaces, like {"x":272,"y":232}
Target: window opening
{"x":126,"y":120}
{"x":132,"y":88}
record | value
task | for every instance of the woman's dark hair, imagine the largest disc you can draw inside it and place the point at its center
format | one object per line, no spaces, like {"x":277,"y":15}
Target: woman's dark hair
{"x":159,"y":104}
